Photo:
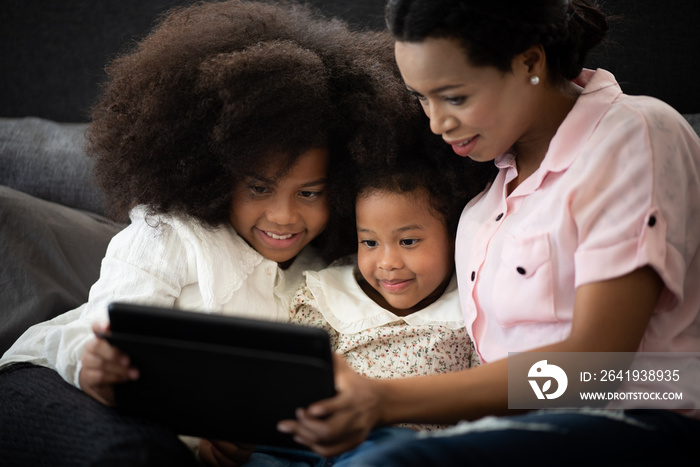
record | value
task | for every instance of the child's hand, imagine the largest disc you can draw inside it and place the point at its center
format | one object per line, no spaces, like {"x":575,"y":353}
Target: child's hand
{"x":103,"y":367}
{"x":224,"y":454}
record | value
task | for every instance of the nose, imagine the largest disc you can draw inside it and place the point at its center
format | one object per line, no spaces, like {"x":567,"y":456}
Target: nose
{"x":389,"y":259}
{"x":440,"y":121}
{"x":282,"y":211}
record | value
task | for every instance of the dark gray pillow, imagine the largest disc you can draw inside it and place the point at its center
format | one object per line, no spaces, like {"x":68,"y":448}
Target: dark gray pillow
{"x":50,"y":256}
{"x":47,"y":159}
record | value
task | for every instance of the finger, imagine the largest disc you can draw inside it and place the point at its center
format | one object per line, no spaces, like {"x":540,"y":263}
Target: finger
{"x":305,"y":432}
{"x":206,"y":454}
{"x":299,"y":433}
{"x":107,"y":351}
{"x":239,"y":453}
{"x":221,"y":459}
{"x":323,"y":422}
{"x":98,"y":377}
{"x":345,"y":376}
{"x":327,"y":407}
{"x":99,"y":354}
{"x":100,"y":328}
{"x":287,"y":426}
{"x":227,"y":446}
{"x":327,"y":431}
{"x":328,"y":447}
{"x":333,"y":435}
{"x":100,"y":371}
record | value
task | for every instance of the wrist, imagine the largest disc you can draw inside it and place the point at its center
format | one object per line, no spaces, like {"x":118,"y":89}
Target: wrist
{"x":381,"y":388}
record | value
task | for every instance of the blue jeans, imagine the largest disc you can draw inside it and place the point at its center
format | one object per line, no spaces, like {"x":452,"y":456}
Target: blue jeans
{"x":549,"y":438}
{"x":270,"y":456}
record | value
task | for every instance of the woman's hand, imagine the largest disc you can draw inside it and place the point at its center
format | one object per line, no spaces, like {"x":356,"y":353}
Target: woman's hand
{"x":224,"y":454}
{"x":103,"y":366}
{"x":335,"y":425}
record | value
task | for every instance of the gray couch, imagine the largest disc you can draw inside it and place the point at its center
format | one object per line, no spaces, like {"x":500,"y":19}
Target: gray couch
{"x":53,"y":232}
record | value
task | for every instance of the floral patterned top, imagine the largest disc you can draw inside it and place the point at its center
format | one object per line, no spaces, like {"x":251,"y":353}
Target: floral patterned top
{"x":376,"y":342}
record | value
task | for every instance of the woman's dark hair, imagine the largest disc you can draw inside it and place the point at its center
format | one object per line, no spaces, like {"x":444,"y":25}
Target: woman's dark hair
{"x":426,"y":163}
{"x":495,"y":31}
{"x":220,"y":89}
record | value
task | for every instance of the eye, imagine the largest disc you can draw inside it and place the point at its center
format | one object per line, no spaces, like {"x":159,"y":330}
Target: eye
{"x":417,"y":96}
{"x":459,"y":100}
{"x":310,"y":195}
{"x":258,"y":189}
{"x":369,"y":243}
{"x":409,"y":242}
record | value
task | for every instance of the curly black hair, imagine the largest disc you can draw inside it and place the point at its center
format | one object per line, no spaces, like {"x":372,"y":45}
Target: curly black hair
{"x":221,"y":89}
{"x":495,"y":31}
{"x":425,"y":162}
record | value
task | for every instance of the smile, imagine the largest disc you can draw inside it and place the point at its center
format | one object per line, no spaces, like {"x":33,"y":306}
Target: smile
{"x":463,"y":143}
{"x":395,"y":286}
{"x":278,"y":237}
{"x":465,"y":147}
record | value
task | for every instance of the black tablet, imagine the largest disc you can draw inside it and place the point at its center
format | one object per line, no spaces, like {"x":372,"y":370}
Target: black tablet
{"x":219,"y":377}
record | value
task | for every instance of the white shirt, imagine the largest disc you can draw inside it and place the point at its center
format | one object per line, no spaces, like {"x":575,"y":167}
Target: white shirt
{"x":171,"y":262}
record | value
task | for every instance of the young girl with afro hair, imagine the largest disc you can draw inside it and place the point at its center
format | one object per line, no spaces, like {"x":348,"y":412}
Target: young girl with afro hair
{"x":225,"y":137}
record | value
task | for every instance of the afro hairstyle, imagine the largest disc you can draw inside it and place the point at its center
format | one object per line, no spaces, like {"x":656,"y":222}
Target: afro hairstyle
{"x":221,"y":89}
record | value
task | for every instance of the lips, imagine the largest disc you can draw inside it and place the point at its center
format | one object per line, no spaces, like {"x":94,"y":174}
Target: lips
{"x":278,"y":237}
{"x":279,"y":240}
{"x":465,"y":146}
{"x":395,"y":285}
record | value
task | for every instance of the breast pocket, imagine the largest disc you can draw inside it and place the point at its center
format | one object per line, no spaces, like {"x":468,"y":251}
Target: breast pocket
{"x":525,"y":291}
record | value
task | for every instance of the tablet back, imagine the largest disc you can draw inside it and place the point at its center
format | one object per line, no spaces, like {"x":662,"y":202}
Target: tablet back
{"x":216,"y":376}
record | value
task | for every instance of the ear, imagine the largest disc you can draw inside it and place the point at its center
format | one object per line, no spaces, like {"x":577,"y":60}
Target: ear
{"x":531,"y":62}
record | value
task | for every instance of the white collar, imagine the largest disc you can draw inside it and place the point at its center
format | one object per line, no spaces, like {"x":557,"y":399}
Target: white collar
{"x":349,"y":310}
{"x":224,"y":261}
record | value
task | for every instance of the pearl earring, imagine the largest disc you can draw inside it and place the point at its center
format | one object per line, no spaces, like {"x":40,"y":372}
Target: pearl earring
{"x":534,"y":80}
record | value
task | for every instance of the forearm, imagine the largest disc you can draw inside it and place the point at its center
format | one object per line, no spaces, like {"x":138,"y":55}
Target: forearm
{"x":51,"y":344}
{"x":445,"y":398}
{"x":611,"y":316}
{"x":451,"y":397}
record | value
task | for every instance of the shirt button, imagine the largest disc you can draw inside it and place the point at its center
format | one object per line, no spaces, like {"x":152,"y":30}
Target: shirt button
{"x":473,"y":275}
{"x":268,"y":271}
{"x":499,"y":217}
{"x":652,"y":221}
{"x":521,"y":270}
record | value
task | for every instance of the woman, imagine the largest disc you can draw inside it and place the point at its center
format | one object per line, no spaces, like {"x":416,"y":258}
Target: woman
{"x":585,"y":242}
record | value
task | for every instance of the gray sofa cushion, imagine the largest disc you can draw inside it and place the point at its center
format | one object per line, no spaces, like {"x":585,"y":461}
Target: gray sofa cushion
{"x":47,"y":159}
{"x":694,"y":120}
{"x":50,"y":256}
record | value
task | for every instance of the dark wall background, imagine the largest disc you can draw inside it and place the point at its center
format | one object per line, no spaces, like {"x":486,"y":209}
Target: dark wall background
{"x":52,"y":52}
{"x":654,"y":49}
